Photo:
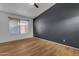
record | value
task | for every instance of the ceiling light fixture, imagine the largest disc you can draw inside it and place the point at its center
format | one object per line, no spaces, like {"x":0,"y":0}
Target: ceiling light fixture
{"x":35,"y":4}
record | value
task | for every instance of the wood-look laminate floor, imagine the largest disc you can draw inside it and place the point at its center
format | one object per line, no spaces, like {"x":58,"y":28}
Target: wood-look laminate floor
{"x":35,"y":47}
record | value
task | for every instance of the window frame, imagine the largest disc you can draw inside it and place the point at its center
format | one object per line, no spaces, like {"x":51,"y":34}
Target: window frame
{"x":19,"y":21}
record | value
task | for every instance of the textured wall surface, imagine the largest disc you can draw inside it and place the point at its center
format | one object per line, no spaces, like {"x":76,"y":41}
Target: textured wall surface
{"x":60,"y":24}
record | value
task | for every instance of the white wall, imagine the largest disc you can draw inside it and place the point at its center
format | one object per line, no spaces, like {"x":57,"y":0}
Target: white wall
{"x":5,"y":36}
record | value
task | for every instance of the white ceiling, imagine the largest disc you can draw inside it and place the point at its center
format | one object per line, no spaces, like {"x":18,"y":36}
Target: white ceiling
{"x":25,"y":9}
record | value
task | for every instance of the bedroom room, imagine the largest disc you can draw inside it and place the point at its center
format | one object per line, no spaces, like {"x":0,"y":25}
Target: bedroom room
{"x":39,"y":29}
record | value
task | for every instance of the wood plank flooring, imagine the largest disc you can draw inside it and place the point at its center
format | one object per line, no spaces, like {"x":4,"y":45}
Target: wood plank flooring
{"x":35,"y":47}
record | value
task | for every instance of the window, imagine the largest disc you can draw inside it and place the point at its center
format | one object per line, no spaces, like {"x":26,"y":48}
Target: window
{"x":17,"y":26}
{"x":23,"y":27}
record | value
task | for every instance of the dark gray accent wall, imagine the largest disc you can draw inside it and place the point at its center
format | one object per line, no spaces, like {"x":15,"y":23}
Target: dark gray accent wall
{"x":60,"y":24}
